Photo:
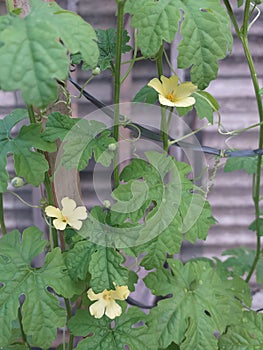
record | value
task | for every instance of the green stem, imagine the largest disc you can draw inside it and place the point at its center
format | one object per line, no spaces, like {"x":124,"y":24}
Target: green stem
{"x":137,"y":59}
{"x":31,"y":114}
{"x":69,"y":313}
{"x":243,"y":36}
{"x":257,"y":179}
{"x":2,"y":219}
{"x":164,"y":126}
{"x":22,"y":329}
{"x":246,"y":18}
{"x":232,"y":17}
{"x":47,"y":181}
{"x":117,"y":83}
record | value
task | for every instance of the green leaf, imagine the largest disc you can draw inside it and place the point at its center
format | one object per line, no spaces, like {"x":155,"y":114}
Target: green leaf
{"x":107,"y":42}
{"x":240,"y":3}
{"x":76,"y":34}
{"x":205,"y":105}
{"x":78,"y":259}
{"x":156,"y":21}
{"x":167,"y":242}
{"x":106,"y":336}
{"x":183,"y":110}
{"x":41,"y":311}
{"x":33,"y":41}
{"x":197,"y":221}
{"x":205,"y":30}
{"x":201,"y":303}
{"x":85,"y":137}
{"x":206,"y":37}
{"x":44,"y":59}
{"x":261,"y":91}
{"x":57,"y":126}
{"x":135,"y":196}
{"x":147,"y":196}
{"x":105,"y":269}
{"x":244,"y":334}
{"x":240,"y":260}
{"x":253,"y":226}
{"x":248,"y":164}
{"x":146,"y":95}
{"x":28,"y":163}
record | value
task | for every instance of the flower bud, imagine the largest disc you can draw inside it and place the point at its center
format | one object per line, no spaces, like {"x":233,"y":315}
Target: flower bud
{"x":106,"y":204}
{"x":17,"y":182}
{"x":112,"y":147}
{"x":96,"y":71}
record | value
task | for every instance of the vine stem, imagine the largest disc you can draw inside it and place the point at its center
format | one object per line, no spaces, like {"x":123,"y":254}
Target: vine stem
{"x":257,"y":175}
{"x":243,"y":36}
{"x":2,"y":219}
{"x":69,"y":313}
{"x":47,"y":181}
{"x":164,"y":124}
{"x":117,"y":83}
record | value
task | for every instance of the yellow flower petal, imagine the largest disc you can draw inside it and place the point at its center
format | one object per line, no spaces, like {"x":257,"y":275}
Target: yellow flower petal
{"x":93,"y":296}
{"x":121,"y":292}
{"x":156,"y":85}
{"x":169,"y":84}
{"x":97,"y":309}
{"x":68,"y":206}
{"x":59,"y":224}
{"x":113,"y":309}
{"x":185,"y":90}
{"x":76,"y":224}
{"x":185,"y":102}
{"x":52,"y":212}
{"x":80,"y":213}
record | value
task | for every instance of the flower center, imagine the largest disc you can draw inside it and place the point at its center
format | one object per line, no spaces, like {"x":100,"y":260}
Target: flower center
{"x":64,"y":218}
{"x":171,"y":96}
{"x":107,"y":296}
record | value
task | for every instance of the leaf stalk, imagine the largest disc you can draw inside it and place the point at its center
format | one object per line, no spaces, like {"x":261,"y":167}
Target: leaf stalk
{"x":117,"y":84}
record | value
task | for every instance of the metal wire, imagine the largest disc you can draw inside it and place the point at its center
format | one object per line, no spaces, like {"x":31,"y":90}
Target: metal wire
{"x":156,"y":136}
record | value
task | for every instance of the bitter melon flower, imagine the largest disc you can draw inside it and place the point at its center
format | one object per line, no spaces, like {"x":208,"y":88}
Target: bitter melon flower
{"x":173,"y":94}
{"x":106,"y":303}
{"x":69,"y":215}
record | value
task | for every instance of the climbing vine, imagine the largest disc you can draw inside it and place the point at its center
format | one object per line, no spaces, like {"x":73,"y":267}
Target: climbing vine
{"x":93,"y":255}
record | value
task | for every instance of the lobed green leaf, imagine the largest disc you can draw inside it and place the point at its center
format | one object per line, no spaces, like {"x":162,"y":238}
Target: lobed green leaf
{"x":240,"y":260}
{"x":244,"y":334}
{"x":129,"y":331}
{"x":87,"y":137}
{"x":41,"y":313}
{"x":107,"y":43}
{"x":199,"y":303}
{"x":105,"y":269}
{"x":33,"y":40}
{"x":248,"y":164}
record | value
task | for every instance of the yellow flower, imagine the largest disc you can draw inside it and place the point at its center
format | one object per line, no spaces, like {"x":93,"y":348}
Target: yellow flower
{"x":173,"y":94}
{"x":106,"y":301}
{"x":69,"y":215}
